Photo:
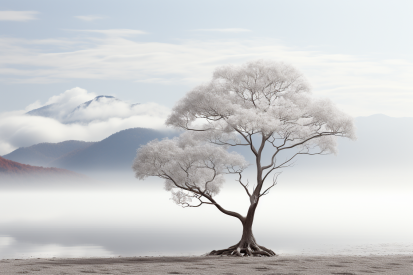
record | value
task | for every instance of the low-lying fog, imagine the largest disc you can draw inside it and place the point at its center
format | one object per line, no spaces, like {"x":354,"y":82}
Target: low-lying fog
{"x":317,"y":211}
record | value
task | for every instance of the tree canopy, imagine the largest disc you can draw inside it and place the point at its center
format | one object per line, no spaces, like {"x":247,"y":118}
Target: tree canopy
{"x":263,"y":105}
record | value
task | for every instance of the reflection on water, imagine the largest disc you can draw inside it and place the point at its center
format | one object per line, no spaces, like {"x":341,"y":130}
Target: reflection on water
{"x":136,"y":220}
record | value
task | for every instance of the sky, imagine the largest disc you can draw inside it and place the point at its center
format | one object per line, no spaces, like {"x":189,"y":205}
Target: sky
{"x":357,"y":53}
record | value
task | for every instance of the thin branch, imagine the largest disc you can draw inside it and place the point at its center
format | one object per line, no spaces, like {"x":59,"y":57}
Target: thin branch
{"x":274,"y":182}
{"x":244,"y":185}
{"x":226,"y":143}
{"x":248,"y":140}
{"x":279,"y":166}
{"x":201,"y":202}
{"x":209,"y":197}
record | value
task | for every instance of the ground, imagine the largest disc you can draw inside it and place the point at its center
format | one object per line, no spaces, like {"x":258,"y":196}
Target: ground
{"x":279,"y":265}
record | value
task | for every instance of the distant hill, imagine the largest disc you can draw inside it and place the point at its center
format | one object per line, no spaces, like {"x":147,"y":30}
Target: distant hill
{"x":116,"y":152}
{"x":10,"y":170}
{"x":44,"y":153}
{"x":46,"y":111}
{"x":381,"y":141}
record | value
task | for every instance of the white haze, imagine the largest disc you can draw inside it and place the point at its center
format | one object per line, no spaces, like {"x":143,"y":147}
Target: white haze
{"x":91,"y":124}
{"x":138,"y":218}
{"x":65,"y":102}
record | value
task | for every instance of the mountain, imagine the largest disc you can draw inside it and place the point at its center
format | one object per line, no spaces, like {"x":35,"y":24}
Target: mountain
{"x":96,"y":99}
{"x":382,"y":141}
{"x":44,"y":153}
{"x":100,"y":108}
{"x":46,"y":111}
{"x":116,"y":152}
{"x":11,"y":170}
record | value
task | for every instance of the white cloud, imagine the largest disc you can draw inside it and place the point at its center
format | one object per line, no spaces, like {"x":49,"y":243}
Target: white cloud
{"x":88,"y":124}
{"x":34,"y":105}
{"x":70,"y":99}
{"x":107,"y":109}
{"x":235,"y":30}
{"x":117,"y":32}
{"x":88,"y":17}
{"x":17,"y":15}
{"x":22,"y":130}
{"x":359,"y":85}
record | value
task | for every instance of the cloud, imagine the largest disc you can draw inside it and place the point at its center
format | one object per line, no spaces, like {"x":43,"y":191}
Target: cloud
{"x":235,"y":30}
{"x":88,"y":124}
{"x":66,"y":102}
{"x":370,"y":82}
{"x":88,"y":18}
{"x":72,"y":97}
{"x":18,"y":15}
{"x":107,"y":109}
{"x":117,"y":32}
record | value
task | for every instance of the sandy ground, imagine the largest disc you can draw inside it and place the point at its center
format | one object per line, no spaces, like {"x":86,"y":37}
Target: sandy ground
{"x":280,"y":265}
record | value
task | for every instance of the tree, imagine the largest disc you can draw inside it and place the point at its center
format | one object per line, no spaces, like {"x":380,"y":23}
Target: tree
{"x":262,"y":105}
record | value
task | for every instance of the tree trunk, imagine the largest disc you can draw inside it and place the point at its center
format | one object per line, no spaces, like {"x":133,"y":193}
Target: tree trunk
{"x":247,"y":246}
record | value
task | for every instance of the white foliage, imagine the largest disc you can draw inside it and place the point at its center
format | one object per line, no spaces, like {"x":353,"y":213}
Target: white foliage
{"x":187,"y":163}
{"x":262,"y":102}
{"x":269,"y":98}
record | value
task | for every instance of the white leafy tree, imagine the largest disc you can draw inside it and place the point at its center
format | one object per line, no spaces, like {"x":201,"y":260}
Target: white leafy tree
{"x":263,"y":105}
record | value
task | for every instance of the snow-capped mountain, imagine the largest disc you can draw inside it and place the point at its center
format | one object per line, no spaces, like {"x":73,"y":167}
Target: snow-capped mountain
{"x":45,"y":111}
{"x":100,"y":108}
{"x":96,"y":99}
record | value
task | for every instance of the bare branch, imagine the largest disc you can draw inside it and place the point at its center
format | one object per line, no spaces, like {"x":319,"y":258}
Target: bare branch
{"x":244,"y":185}
{"x":282,"y":165}
{"x":248,"y":140}
{"x":201,"y":202}
{"x":274,"y":182}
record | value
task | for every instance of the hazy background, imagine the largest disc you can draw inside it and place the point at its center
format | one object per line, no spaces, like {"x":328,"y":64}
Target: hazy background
{"x":357,"y":202}
{"x":152,"y":52}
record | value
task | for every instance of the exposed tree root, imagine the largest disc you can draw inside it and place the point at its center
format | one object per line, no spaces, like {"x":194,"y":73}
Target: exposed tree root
{"x":244,"y":249}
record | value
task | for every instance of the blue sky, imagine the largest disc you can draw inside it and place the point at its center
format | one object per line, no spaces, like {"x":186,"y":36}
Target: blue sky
{"x":356,"y":53}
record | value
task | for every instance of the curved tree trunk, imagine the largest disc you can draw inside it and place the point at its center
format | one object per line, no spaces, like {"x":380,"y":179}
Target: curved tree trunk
{"x":247,"y":246}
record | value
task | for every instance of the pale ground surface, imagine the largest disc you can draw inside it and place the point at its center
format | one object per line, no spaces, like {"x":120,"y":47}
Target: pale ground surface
{"x":281,"y":265}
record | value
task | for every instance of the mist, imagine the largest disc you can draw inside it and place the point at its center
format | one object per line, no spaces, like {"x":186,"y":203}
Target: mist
{"x":356,"y":202}
{"x":98,"y":121}
{"x":305,"y":213}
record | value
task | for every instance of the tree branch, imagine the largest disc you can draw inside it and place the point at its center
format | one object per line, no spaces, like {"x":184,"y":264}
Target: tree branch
{"x":207,"y":196}
{"x":274,"y":182}
{"x":244,"y":185}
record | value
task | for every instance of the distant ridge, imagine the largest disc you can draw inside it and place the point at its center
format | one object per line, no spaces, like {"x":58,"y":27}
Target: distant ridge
{"x":43,"y":153}
{"x":14,"y":170}
{"x":381,"y":141}
{"x":115,"y":152}
{"x":46,"y":111}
